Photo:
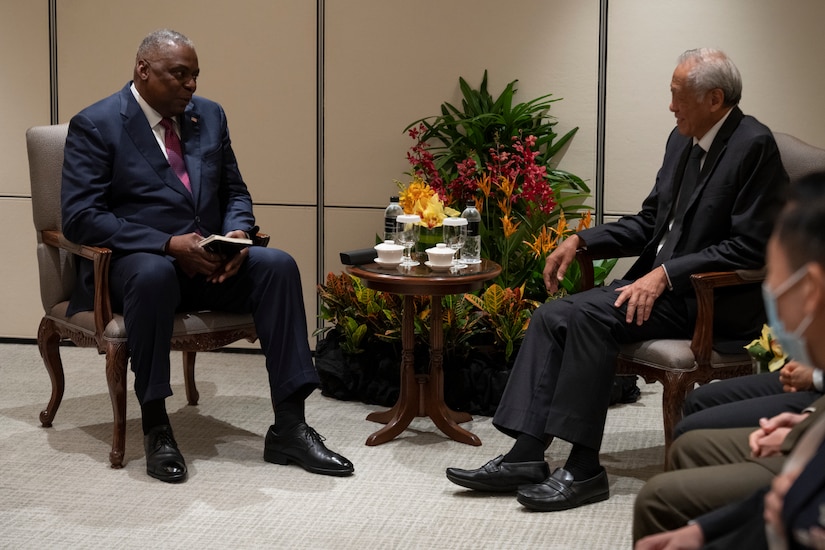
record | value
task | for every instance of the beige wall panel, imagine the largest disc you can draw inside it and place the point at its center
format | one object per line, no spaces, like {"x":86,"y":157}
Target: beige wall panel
{"x":257,"y":58}
{"x":774,"y":46}
{"x":292,"y":229}
{"x":390,"y":63}
{"x":348,"y":229}
{"x":24,"y":89}
{"x":623,"y":264}
{"x":20,"y":291}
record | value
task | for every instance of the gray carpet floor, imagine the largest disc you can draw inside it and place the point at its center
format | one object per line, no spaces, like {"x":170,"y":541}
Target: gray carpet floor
{"x":58,"y":491}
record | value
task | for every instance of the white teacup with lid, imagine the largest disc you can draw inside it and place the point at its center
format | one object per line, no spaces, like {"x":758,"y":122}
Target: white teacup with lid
{"x":388,"y":253}
{"x":440,"y":256}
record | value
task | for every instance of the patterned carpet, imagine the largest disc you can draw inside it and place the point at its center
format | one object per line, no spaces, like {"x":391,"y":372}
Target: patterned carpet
{"x":57,"y":490}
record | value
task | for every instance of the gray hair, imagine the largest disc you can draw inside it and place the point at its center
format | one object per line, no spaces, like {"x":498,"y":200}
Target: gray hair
{"x":159,"y":38}
{"x":713,"y":69}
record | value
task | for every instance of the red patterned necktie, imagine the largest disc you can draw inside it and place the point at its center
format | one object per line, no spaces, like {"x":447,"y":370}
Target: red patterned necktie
{"x":173,"y":150}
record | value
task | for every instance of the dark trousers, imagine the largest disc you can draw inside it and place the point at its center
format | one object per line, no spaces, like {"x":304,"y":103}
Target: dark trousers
{"x":149,"y":290}
{"x":560,"y":383}
{"x":740,"y":402}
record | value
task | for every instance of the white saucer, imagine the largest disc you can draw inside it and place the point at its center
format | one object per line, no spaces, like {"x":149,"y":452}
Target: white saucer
{"x":379,"y":261}
{"x":438,"y":267}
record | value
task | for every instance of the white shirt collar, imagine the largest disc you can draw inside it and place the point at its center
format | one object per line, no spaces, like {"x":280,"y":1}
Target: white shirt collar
{"x":710,"y":135}
{"x":152,"y":115}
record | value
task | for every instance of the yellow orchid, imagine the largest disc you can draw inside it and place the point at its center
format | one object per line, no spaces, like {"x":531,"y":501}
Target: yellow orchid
{"x":419,"y":198}
{"x":766,"y":350}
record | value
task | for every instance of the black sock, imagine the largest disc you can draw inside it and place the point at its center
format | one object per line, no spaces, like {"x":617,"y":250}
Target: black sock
{"x":526,"y":449}
{"x":289,"y":412}
{"x":153,"y":414}
{"x":583,"y":462}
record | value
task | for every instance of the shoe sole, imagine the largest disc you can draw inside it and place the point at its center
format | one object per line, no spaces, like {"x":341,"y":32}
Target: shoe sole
{"x":167,"y":479}
{"x":558,"y":506}
{"x":479,"y":486}
{"x":276,"y":457}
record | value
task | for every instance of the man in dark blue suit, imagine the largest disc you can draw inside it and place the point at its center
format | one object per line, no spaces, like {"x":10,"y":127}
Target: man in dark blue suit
{"x":149,"y":172}
{"x":711,"y":209}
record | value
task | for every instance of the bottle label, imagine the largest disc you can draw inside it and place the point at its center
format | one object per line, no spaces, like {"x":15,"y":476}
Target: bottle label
{"x":473,"y":229}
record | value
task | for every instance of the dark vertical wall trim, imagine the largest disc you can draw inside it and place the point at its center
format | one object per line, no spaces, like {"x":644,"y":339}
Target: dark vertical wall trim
{"x":601,"y":112}
{"x":53,"y":113}
{"x":319,"y":147}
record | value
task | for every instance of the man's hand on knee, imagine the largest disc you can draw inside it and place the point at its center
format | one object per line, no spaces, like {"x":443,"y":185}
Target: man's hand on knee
{"x":641,"y":295}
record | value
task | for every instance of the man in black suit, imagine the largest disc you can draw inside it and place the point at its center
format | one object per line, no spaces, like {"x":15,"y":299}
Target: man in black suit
{"x":712,"y":208}
{"x":148,"y":172}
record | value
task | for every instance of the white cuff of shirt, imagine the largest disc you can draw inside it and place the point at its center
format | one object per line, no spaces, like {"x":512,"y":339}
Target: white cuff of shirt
{"x":667,"y":276}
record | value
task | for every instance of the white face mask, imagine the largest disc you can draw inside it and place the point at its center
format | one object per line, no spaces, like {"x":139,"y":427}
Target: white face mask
{"x":793,"y":343}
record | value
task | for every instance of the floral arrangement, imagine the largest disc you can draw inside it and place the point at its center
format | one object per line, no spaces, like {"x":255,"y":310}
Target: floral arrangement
{"x":419,"y":198}
{"x":499,"y":154}
{"x":766,"y":351}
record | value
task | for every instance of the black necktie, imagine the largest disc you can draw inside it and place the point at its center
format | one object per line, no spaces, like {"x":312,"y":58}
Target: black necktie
{"x":690,"y":178}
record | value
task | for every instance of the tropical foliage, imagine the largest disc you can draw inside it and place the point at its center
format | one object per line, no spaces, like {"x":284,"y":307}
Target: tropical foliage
{"x":500,"y":154}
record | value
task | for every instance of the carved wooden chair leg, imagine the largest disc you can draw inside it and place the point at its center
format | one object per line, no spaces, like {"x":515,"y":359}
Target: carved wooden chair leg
{"x":48,"y":342}
{"x":673,"y":402}
{"x":192,"y":395}
{"x":116,"y":363}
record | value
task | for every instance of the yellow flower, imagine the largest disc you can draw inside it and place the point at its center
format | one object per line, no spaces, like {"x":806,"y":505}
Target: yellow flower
{"x":509,"y":226}
{"x":584,"y":221}
{"x":419,"y":198}
{"x":505,"y":185}
{"x":542,"y":244}
{"x":484,"y":184}
{"x":767,"y":349}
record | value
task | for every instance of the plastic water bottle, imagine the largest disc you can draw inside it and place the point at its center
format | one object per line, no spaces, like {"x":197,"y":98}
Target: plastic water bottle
{"x":390,"y":213}
{"x":471,"y":251}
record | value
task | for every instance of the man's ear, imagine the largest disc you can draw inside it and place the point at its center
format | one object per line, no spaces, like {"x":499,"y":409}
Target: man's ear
{"x":717,"y":99}
{"x":142,"y":69}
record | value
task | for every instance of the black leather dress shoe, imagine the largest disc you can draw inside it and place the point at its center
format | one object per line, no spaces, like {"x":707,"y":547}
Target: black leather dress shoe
{"x":500,"y":477}
{"x":305,"y":447}
{"x":561,"y":492}
{"x":163,"y":459}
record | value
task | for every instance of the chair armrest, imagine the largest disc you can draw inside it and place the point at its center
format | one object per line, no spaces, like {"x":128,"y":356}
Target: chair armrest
{"x":261,"y":239}
{"x":704,"y":285}
{"x":100,"y":258}
{"x":585,"y":258}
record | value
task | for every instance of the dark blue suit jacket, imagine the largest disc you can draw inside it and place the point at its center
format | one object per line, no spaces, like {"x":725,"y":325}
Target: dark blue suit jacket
{"x":119,"y":191}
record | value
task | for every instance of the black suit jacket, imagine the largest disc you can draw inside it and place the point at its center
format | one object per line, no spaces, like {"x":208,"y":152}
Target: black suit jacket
{"x":119,"y":191}
{"x":728,"y":220}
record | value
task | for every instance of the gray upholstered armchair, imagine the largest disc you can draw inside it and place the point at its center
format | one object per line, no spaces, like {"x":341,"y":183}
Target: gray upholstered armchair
{"x":681,"y":364}
{"x":102,"y":328}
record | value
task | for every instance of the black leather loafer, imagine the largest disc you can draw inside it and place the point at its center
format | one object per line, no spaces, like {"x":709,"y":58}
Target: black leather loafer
{"x":305,"y":447}
{"x":498,"y":476}
{"x":163,"y":459}
{"x":561,"y":492}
